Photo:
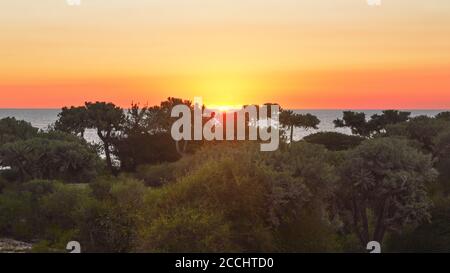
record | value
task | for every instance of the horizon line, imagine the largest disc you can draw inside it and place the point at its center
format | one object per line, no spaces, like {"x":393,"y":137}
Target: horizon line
{"x":295,"y":109}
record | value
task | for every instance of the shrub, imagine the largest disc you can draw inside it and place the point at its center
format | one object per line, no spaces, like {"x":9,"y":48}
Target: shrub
{"x":335,"y":141}
{"x":51,"y":156}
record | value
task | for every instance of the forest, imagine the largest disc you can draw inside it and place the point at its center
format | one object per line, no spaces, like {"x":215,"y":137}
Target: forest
{"x":138,"y":190}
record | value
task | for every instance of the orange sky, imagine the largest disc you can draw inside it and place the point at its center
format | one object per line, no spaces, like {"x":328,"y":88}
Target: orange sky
{"x":301,"y":54}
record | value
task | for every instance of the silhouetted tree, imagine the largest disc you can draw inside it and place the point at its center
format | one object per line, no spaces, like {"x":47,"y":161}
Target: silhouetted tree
{"x":73,"y":120}
{"x":359,"y":125}
{"x":422,"y":129}
{"x":291,"y":120}
{"x":12,"y":130}
{"x":444,"y":116}
{"x":335,"y":141}
{"x":53,"y":155}
{"x":383,"y":188}
{"x":107,"y":119}
{"x":378,"y":123}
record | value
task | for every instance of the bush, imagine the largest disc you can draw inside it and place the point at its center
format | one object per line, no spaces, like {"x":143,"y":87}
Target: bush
{"x":433,"y":236}
{"x":13,"y":130}
{"x":44,"y":210}
{"x":156,"y":175}
{"x":112,"y":223}
{"x":442,"y":152}
{"x":51,"y":156}
{"x":335,"y":141}
{"x":135,"y":150}
{"x":422,"y":129}
{"x":233,"y":198}
{"x":189,"y":230}
{"x":221,"y":188}
{"x":383,"y":188}
{"x":16,"y":213}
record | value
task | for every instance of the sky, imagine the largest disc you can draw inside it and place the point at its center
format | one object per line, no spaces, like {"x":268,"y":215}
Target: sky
{"x":321,"y":54}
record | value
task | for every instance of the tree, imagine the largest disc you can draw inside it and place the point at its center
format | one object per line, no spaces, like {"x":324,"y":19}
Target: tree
{"x":231,"y":197}
{"x":12,"y":130}
{"x":140,"y":149}
{"x":444,"y":116}
{"x":218,"y":207}
{"x":359,"y":125}
{"x":355,"y":121}
{"x":441,"y":150}
{"x":421,"y":129}
{"x":72,"y":120}
{"x":383,"y":188}
{"x":378,"y":123}
{"x":160,"y":118}
{"x":429,"y":237}
{"x":334,"y":141}
{"x":107,"y":119}
{"x":53,"y":155}
{"x":145,"y":136}
{"x":44,"y":210}
{"x":112,"y":220}
{"x":291,"y":120}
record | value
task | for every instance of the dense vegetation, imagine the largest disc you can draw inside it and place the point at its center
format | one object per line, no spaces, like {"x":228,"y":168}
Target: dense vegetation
{"x":140,"y":191}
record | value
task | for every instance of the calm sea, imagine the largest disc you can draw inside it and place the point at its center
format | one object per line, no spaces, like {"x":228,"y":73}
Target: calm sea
{"x":42,"y":118}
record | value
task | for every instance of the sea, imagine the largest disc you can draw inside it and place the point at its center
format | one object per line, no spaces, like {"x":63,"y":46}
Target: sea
{"x":43,"y":118}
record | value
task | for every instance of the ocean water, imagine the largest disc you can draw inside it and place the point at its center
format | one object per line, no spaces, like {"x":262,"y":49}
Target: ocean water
{"x":42,"y":118}
{"x":328,"y":116}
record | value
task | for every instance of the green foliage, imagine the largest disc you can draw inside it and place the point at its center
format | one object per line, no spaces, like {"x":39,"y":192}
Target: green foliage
{"x":73,"y":120}
{"x":355,"y":121}
{"x":16,"y":208}
{"x":359,"y":125}
{"x":107,"y":119}
{"x":291,"y":120}
{"x":331,"y":192}
{"x":189,"y":230}
{"x":428,"y":237}
{"x":383,"y":188}
{"x":334,"y":141}
{"x":13,"y":130}
{"x":156,"y":175}
{"x":233,"y":198}
{"x":145,"y":137}
{"x":41,"y":209}
{"x":51,"y":156}
{"x":307,"y":164}
{"x":308,"y":232}
{"x":112,"y":221}
{"x":442,"y":153}
{"x":3,"y":183}
{"x":378,"y":123}
{"x":443,"y":116}
{"x":422,"y":129}
{"x":139,"y":149}
{"x":217,"y":187}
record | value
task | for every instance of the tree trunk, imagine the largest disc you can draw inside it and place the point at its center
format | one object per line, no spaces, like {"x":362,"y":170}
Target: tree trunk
{"x":292,"y":134}
{"x":107,"y":151}
{"x":365,"y":225}
{"x":182,"y":152}
{"x":108,"y":157}
{"x":380,"y":228}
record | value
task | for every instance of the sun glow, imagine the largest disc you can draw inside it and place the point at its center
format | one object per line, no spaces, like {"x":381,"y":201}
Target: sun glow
{"x":224,"y":108}
{"x":224,"y":92}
